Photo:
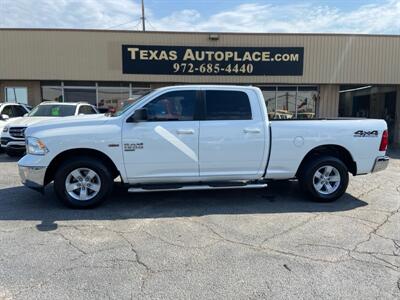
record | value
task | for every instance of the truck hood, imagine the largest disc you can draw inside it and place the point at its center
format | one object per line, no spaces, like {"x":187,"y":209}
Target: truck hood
{"x":4,"y":123}
{"x":66,"y":122}
{"x":27,"y":121}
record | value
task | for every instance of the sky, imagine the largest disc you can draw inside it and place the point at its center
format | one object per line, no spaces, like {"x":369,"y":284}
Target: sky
{"x":327,"y":16}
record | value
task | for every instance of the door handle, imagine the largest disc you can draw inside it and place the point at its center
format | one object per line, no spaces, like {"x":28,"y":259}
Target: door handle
{"x":251,"y":130}
{"x":185,"y":131}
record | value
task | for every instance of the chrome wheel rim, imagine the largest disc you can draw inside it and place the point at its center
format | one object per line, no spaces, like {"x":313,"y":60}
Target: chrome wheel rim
{"x":326,"y":180}
{"x":83,"y":184}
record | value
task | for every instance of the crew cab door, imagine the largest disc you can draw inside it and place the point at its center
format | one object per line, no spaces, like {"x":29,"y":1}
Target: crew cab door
{"x":232,"y":135}
{"x":165,"y":146}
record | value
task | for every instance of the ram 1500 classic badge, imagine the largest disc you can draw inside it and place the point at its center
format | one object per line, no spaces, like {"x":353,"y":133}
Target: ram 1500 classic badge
{"x":133,"y":147}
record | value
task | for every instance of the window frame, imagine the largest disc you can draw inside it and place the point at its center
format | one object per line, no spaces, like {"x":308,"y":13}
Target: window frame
{"x":204,"y":105}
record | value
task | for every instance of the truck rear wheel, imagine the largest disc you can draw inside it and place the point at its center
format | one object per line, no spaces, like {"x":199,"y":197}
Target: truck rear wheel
{"x":324,"y":178}
{"x":82,"y":182}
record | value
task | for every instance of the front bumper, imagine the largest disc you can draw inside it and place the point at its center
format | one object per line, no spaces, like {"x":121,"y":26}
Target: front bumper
{"x":381,"y":163}
{"x":8,"y":143}
{"x":33,"y":177}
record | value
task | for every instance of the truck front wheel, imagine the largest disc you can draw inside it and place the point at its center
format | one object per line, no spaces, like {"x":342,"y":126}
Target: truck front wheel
{"x":82,"y":182}
{"x":324,"y":178}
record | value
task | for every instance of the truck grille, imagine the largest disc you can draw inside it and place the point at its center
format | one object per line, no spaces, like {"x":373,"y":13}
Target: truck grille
{"x":17,"y":132}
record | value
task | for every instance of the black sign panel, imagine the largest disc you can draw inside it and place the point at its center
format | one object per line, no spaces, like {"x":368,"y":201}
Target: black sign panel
{"x":240,"y":61}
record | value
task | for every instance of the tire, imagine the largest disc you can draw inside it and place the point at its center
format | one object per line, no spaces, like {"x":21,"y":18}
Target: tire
{"x":324,"y":178}
{"x":83,"y":174}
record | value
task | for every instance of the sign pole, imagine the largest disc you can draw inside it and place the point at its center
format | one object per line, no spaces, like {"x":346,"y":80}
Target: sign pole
{"x":143,"y":17}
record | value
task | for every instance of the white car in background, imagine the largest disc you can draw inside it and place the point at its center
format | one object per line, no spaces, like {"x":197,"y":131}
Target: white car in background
{"x":12,"y":134}
{"x":10,"y":111}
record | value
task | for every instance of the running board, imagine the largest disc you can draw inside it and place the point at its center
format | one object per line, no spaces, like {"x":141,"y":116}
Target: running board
{"x":197,"y":188}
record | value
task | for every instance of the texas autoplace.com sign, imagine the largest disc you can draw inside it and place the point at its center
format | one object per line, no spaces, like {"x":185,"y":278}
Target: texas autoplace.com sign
{"x":179,"y":60}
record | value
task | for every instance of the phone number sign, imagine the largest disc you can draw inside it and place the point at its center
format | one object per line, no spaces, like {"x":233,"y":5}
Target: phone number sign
{"x":240,"y":61}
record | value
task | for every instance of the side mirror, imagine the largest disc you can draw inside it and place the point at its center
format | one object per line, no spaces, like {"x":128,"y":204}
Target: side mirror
{"x":138,"y":116}
{"x":4,"y":117}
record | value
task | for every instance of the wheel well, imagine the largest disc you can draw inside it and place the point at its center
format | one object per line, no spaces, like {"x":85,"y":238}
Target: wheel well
{"x":61,"y":157}
{"x":333,"y":150}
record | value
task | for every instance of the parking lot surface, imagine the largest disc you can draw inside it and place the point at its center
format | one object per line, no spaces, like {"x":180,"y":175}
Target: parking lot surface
{"x":236,"y":244}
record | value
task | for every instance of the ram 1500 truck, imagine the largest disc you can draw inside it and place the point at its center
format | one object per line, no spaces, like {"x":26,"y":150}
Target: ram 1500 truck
{"x":198,"y":137}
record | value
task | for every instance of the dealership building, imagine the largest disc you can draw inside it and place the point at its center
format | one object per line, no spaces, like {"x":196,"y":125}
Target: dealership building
{"x":302,"y":76}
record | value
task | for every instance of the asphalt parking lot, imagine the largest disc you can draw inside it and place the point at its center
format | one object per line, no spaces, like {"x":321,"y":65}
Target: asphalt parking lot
{"x":243,"y":244}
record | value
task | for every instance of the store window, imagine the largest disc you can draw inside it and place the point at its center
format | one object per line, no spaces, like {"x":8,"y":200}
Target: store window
{"x":291,"y":102}
{"x":17,"y":94}
{"x":269,"y":94}
{"x":80,"y":95}
{"x":285,"y":103}
{"x":52,"y":93}
{"x":107,"y":96}
{"x":307,"y":98}
{"x":112,"y":99}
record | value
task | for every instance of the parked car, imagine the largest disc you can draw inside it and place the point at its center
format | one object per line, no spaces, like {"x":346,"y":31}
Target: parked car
{"x":10,"y":111}
{"x":12,"y":135}
{"x":199,"y":137}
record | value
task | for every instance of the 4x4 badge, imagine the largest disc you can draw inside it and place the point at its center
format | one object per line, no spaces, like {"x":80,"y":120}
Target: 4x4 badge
{"x":362,"y":133}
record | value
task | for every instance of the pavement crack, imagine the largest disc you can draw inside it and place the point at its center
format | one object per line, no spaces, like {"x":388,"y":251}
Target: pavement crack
{"x":70,"y":243}
{"x":312,"y":218}
{"x":178,"y":245}
{"x":376,"y":229}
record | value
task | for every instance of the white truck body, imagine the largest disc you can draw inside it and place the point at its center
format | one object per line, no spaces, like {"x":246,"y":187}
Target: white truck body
{"x":199,"y":150}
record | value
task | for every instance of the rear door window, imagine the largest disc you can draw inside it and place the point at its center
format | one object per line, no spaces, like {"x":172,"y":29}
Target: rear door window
{"x":8,"y":111}
{"x":86,"y":110}
{"x":19,"y":111}
{"x":227,"y":105}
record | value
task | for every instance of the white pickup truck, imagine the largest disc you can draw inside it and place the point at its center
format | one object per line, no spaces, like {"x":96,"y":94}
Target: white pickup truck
{"x":198,"y":137}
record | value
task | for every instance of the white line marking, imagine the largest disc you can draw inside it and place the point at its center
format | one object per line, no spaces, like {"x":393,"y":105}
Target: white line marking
{"x":172,"y":139}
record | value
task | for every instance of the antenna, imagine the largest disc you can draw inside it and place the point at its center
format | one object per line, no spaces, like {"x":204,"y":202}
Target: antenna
{"x":143,"y":17}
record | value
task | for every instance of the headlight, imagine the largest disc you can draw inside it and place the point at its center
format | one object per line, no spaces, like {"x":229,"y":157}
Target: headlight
{"x":35,"y":146}
{"x":5,"y":129}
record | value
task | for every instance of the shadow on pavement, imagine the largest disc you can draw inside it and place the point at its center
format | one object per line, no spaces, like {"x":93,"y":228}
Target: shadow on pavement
{"x":394,"y":153}
{"x":20,"y":203}
{"x":5,"y":158}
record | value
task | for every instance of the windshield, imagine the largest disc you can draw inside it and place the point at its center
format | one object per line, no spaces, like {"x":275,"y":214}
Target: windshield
{"x":126,"y":104}
{"x":53,"y":110}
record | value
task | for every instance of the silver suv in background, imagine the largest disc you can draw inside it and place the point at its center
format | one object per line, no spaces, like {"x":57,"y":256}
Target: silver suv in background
{"x":12,"y":135}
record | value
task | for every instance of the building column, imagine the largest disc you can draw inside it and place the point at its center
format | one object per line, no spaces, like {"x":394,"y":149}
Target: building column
{"x":328,"y":105}
{"x":2,"y":96}
{"x":397,"y":120}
